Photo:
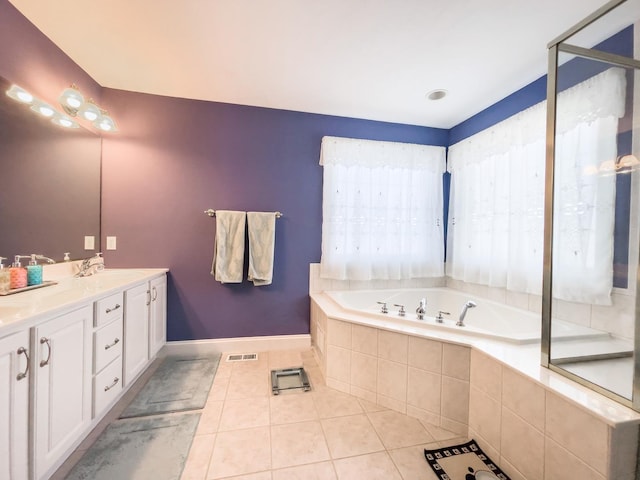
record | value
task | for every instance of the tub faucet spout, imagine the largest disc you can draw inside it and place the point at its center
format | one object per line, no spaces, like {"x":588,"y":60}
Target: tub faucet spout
{"x":463,"y":313}
{"x":422,"y":309}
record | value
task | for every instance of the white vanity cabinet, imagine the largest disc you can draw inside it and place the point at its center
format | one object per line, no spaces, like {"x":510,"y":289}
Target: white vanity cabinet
{"x":157,"y":315}
{"x":136,"y":330}
{"x":145,"y":315}
{"x":14,"y":406}
{"x":66,"y":359}
{"x":62,"y":362}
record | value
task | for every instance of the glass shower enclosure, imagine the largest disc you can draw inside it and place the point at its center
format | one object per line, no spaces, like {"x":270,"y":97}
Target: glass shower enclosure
{"x":592,"y":204}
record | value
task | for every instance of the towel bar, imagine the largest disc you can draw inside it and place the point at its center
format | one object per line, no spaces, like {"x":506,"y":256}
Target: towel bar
{"x":212,"y":213}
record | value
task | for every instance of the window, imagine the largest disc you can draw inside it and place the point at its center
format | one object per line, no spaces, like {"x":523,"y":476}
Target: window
{"x":495,"y":234}
{"x":382,"y":210}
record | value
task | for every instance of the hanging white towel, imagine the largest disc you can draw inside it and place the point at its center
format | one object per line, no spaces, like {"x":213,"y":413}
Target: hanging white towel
{"x":262,"y":241}
{"x":228,"y":248}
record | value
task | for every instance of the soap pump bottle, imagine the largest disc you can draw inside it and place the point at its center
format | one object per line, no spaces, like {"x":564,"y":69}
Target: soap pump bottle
{"x":5,"y":277}
{"x":34,"y":271}
{"x":18,"y":273}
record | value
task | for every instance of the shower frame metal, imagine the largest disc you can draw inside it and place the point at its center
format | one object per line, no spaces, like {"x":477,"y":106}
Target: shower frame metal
{"x":555,"y":47}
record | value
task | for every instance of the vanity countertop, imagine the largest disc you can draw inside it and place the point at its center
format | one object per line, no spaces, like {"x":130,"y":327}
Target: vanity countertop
{"x":22,"y":310}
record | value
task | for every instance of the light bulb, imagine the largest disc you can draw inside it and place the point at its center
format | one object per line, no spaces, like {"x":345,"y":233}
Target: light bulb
{"x":89,"y":111}
{"x":71,"y":99}
{"x":19,"y":94}
{"x":64,"y":121}
{"x":43,"y":109}
{"x":105,"y":123}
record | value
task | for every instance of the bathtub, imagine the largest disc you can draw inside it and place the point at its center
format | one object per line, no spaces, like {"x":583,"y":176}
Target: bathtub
{"x":488,"y":319}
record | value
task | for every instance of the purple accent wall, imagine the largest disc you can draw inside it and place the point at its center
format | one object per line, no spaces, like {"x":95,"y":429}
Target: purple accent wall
{"x":174,"y":158}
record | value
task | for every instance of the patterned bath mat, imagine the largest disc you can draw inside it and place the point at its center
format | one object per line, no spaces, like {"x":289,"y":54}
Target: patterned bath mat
{"x":466,"y":461}
{"x":179,"y":384}
{"x":139,"y":449}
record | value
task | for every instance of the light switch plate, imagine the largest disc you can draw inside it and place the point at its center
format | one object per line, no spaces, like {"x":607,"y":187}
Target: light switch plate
{"x":111,"y":243}
{"x":89,"y":242}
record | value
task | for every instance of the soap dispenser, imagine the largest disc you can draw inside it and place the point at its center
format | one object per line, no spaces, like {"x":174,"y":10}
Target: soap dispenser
{"x":5,"y":277}
{"x":34,"y":271}
{"x":18,"y":274}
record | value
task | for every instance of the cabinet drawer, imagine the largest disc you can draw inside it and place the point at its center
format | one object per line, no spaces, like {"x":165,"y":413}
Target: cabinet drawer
{"x":108,"y":309}
{"x":106,"y":386}
{"x":107,"y":345}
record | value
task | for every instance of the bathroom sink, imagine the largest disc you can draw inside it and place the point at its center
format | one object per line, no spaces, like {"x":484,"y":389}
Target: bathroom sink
{"x":107,"y":278}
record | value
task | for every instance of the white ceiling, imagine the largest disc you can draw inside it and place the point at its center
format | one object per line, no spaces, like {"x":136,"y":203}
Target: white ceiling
{"x":372,"y":59}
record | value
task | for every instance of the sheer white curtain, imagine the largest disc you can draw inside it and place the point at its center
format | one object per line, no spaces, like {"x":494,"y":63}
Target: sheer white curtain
{"x":497,"y":196}
{"x":382,"y":210}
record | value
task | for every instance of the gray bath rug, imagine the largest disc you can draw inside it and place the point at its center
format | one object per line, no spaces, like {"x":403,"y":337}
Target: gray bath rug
{"x":177,"y":385}
{"x":139,"y":449}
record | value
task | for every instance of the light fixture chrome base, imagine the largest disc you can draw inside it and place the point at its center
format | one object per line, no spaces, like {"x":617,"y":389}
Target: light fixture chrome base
{"x":289,"y":379}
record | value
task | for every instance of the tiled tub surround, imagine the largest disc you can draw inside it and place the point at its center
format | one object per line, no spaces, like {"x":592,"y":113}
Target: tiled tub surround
{"x":535,"y":423}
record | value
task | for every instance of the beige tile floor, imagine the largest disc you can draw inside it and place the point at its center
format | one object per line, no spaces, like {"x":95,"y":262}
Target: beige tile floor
{"x":245,"y":433}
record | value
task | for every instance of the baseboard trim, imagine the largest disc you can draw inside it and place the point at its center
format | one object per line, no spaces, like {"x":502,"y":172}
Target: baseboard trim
{"x":236,"y":345}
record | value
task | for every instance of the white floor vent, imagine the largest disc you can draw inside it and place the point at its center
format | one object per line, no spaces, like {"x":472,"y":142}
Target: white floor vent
{"x":242,"y":357}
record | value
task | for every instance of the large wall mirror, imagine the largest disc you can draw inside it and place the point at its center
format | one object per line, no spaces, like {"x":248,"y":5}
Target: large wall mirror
{"x":49,"y":184}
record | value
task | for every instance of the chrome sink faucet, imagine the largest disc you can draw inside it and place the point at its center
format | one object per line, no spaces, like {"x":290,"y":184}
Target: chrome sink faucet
{"x":88,"y":264}
{"x":36,"y":256}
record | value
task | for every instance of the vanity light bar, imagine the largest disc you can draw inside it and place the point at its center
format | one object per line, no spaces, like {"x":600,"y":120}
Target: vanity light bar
{"x":73,"y":104}
{"x":41,"y":108}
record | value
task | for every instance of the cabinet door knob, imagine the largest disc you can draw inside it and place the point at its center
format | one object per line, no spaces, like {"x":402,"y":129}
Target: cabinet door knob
{"x":109,"y":310}
{"x":115,"y":342}
{"x":148,"y":297}
{"x":109,"y":387}
{"x":44,"y":340}
{"x":22,"y":375}
{"x":155,"y":294}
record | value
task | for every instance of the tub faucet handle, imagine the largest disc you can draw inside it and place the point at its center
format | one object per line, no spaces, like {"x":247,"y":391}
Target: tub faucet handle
{"x":384,"y":308}
{"x":401,"y":311}
{"x":469,"y":304}
{"x":439,"y":318}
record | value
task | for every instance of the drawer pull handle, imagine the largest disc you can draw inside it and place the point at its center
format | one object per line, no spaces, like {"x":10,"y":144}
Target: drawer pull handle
{"x":109,"y":387}
{"x":115,"y":342}
{"x":155,"y":294}
{"x":22,"y":375}
{"x":44,"y":340}
{"x":148,"y":297}
{"x":109,"y":310}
